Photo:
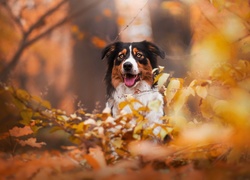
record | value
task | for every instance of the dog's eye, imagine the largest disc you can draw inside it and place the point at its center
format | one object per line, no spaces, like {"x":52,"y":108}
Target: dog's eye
{"x":139,"y":55}
{"x":121,"y":56}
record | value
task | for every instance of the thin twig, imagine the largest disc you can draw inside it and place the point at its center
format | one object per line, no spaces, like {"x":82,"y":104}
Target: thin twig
{"x":14,"y":18}
{"x":207,"y":19}
{"x":241,"y":38}
{"x":44,"y":16}
{"x":132,"y":20}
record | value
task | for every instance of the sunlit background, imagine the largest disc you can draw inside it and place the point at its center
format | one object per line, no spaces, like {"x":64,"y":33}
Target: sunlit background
{"x":51,"y":50}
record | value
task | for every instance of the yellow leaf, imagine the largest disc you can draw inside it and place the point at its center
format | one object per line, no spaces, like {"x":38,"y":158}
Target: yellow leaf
{"x":155,"y":105}
{"x":143,"y":108}
{"x":162,"y":79}
{"x":206,"y":107}
{"x":163,"y":133}
{"x":178,"y":122}
{"x":180,"y":99}
{"x":117,"y":142}
{"x":173,"y":87}
{"x":42,"y":102}
{"x":201,"y":91}
{"x":136,"y":136}
{"x":22,"y":94}
{"x":138,"y":127}
{"x":123,"y":104}
{"x":78,"y":127}
{"x":218,"y":3}
{"x":26,"y":116}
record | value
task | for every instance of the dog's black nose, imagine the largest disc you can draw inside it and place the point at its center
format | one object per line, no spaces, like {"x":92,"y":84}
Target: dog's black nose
{"x":127,"y":66}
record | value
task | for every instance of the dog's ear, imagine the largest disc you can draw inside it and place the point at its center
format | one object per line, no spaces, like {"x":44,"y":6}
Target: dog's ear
{"x":155,"y":49}
{"x":108,"y":50}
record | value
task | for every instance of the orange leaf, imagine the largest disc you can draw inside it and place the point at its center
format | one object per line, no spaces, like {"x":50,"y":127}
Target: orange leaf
{"x":120,"y":21}
{"x":31,"y":142}
{"x":95,"y":158}
{"x":98,"y":42}
{"x":107,"y":12}
{"x":92,"y":161}
{"x":17,"y":132}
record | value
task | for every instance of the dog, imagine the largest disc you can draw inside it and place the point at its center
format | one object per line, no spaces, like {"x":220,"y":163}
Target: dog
{"x":129,"y":73}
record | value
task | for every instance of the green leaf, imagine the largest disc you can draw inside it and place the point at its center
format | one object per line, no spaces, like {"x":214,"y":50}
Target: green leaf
{"x":35,"y":128}
{"x":26,"y":116}
{"x":23,"y":95}
{"x":42,"y":102}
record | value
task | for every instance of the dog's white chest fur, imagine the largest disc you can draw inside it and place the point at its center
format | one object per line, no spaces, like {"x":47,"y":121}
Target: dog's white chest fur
{"x":143,"y":93}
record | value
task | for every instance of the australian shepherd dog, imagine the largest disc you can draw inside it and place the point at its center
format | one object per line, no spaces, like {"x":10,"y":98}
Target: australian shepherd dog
{"x":129,"y":72}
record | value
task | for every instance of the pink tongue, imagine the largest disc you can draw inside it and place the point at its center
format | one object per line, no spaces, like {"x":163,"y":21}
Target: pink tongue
{"x":129,"y":81}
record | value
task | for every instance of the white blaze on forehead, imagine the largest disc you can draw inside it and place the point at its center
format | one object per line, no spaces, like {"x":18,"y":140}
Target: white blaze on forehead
{"x":135,"y":69}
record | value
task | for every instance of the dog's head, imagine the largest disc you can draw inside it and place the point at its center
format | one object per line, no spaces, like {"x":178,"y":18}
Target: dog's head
{"x":130,"y":63}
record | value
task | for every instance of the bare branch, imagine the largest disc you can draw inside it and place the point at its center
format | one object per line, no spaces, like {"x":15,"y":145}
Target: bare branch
{"x":43,"y":17}
{"x":26,"y":43}
{"x":6,"y":71}
{"x":241,"y":38}
{"x":13,"y":17}
{"x":63,"y":21}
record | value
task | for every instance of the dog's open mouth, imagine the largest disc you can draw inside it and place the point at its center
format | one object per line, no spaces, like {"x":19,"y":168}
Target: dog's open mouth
{"x":131,"y":79}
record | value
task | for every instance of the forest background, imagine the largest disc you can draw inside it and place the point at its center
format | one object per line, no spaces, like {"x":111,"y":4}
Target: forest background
{"x":51,"y":76}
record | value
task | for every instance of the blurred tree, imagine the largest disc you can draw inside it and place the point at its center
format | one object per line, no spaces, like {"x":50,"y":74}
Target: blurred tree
{"x":93,"y":31}
{"x":35,"y":53}
{"x":171,"y":30}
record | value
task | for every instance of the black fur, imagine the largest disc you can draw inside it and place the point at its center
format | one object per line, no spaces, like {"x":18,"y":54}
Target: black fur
{"x":150,"y":50}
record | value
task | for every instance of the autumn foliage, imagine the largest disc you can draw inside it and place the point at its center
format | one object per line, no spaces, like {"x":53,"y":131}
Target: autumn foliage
{"x":206,"y":121}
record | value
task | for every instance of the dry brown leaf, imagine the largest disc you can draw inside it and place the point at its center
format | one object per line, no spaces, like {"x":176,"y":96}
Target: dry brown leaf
{"x":20,"y":131}
{"x":31,"y":142}
{"x":96,"y":158}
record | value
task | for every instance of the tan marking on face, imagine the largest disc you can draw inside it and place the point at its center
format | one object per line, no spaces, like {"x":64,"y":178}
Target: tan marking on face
{"x":124,"y":52}
{"x":136,"y":52}
{"x":146,"y":72}
{"x":116,"y":75}
{"x":112,"y":48}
